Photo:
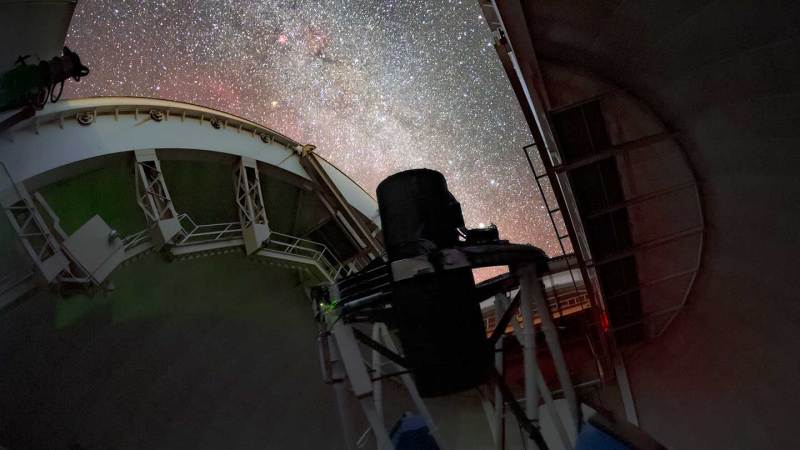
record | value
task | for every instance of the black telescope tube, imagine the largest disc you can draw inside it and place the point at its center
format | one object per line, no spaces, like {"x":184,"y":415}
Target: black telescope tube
{"x":439,"y":324}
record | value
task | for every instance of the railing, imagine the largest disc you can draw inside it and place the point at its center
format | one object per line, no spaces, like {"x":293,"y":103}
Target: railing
{"x":193,"y":234}
{"x":290,"y":245}
{"x":563,"y":304}
{"x":136,"y":239}
{"x":199,"y":234}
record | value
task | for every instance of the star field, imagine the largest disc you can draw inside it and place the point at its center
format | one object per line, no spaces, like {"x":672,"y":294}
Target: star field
{"x":377,"y":86}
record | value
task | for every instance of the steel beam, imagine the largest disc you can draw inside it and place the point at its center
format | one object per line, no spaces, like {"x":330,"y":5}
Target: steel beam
{"x":649,"y":244}
{"x":349,"y":356}
{"x":153,"y":198}
{"x":529,"y":283}
{"x":544,"y":390}
{"x":533,"y":293}
{"x":337,"y":205}
{"x":32,"y":230}
{"x":499,"y":405}
{"x":250,"y":204}
{"x":613,"y":151}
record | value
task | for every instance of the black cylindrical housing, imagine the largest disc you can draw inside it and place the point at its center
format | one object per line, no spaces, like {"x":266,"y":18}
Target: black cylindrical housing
{"x":439,"y":324}
{"x":417,"y":209}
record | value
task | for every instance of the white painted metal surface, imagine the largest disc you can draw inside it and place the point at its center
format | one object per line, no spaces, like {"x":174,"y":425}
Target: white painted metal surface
{"x":250,"y":204}
{"x":33,"y":232}
{"x":95,"y":249}
{"x":54,"y":138}
{"x":153,"y":198}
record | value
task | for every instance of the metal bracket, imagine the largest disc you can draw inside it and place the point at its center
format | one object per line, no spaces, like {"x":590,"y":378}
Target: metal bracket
{"x":153,"y":198}
{"x":250,"y":203}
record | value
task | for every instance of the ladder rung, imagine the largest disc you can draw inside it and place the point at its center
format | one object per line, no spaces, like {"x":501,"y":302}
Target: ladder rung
{"x":554,"y":210}
{"x":562,"y":237}
{"x":540,"y":176}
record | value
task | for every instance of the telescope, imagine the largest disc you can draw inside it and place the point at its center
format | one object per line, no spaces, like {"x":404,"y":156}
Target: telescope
{"x":425,"y":290}
{"x":422,"y":290}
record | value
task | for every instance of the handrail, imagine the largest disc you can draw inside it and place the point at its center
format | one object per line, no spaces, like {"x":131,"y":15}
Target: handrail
{"x":135,"y":239}
{"x":192,"y":234}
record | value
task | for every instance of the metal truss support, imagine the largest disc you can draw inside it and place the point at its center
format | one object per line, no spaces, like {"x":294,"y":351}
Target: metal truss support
{"x":82,"y":260}
{"x":499,"y":365}
{"x":342,"y":364}
{"x":337,"y":205}
{"x":34,"y":233}
{"x":545,"y":425}
{"x":250,"y":203}
{"x":532,"y":294}
{"x":381,"y":335}
{"x":541,"y":385}
{"x":529,"y":283}
{"x":153,"y":197}
{"x":346,"y":360}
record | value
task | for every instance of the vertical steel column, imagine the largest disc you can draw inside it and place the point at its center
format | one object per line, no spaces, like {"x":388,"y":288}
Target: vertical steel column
{"x":377,"y":385}
{"x":33,"y":232}
{"x":338,"y":376}
{"x":337,"y":205}
{"x":545,"y":392}
{"x":153,"y":198}
{"x":625,"y":390}
{"x":499,"y":404}
{"x":360,"y":381}
{"x":552,"y":411}
{"x":378,"y":427}
{"x":536,"y":295}
{"x":408,"y":382}
{"x":250,"y":204}
{"x":529,"y":290}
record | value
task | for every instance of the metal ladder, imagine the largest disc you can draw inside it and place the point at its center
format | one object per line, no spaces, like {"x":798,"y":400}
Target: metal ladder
{"x":551,"y":211}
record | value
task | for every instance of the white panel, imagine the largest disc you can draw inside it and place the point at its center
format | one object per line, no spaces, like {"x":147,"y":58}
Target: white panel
{"x":47,"y":141}
{"x":27,"y":153}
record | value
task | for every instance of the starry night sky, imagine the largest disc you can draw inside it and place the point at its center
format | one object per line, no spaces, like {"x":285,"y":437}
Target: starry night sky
{"x":377,"y":86}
